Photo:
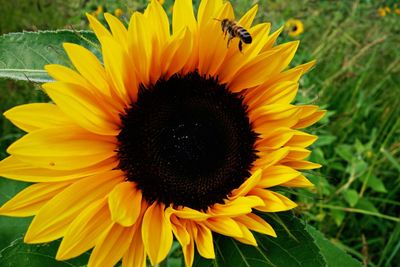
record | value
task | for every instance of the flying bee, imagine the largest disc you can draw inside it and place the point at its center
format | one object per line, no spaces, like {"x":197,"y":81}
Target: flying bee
{"x":235,"y":30}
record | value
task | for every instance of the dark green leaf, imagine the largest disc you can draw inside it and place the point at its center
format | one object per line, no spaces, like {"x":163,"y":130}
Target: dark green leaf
{"x":23,"y":255}
{"x":11,"y":228}
{"x":294,"y":248}
{"x":23,"y":55}
{"x":334,"y":256}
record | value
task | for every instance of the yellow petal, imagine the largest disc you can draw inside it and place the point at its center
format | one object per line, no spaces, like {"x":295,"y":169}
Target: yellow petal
{"x":53,"y":219}
{"x":301,"y":139}
{"x":82,"y":107}
{"x":183,"y":16}
{"x":102,"y":99}
{"x":248,"y":18}
{"x":29,"y":201}
{"x":256,"y":223}
{"x":274,"y":202}
{"x":207,"y":10}
{"x":296,"y":153}
{"x":158,"y":28}
{"x":274,"y":116}
{"x":236,"y":207}
{"x":135,"y":256}
{"x":275,"y":139}
{"x":118,"y":30}
{"x":97,"y":27}
{"x":276,"y":175}
{"x":219,"y":50}
{"x":249,"y":184}
{"x":119,"y":71}
{"x":204,"y":242}
{"x":62,"y":148}
{"x":299,"y":181}
{"x":271,"y":39}
{"x":85,"y":230}
{"x":270,"y":113}
{"x":88,"y":66}
{"x":306,"y":67}
{"x":156,"y":233}
{"x":291,"y":75}
{"x":271,"y":158}
{"x":188,"y":253}
{"x":125,"y":203}
{"x":111,"y":246}
{"x":67,"y":75}
{"x":306,"y":121}
{"x":180,"y":231}
{"x":12,"y":168}
{"x":159,"y":19}
{"x":212,"y":51}
{"x":36,"y":116}
{"x":234,"y":60}
{"x":262,"y":66}
{"x":139,"y":43}
{"x":188,"y":213}
{"x":173,"y":59}
{"x":303,"y":165}
{"x":247,"y":236}
{"x":224,"y":225}
{"x":280,"y":93}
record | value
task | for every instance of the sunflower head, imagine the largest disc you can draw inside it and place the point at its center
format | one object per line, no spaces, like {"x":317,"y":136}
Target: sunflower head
{"x":172,"y":134}
{"x":294,"y":27}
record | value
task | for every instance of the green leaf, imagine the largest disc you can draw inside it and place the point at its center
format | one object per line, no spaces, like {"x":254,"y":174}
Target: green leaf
{"x":334,"y":256}
{"x":23,"y":255}
{"x":293,"y":247}
{"x":351,"y":196}
{"x":11,"y":228}
{"x":324,"y":140}
{"x":24,"y":55}
{"x":338,"y":216}
{"x":374,"y":183}
{"x":345,"y":152}
{"x":365,"y":204}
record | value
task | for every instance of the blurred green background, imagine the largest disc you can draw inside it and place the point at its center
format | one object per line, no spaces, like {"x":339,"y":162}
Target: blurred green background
{"x":356,"y":203}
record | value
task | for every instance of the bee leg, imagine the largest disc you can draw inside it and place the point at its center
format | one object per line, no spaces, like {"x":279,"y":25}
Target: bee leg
{"x":229,"y":40}
{"x":240,"y":46}
{"x":225,"y":32}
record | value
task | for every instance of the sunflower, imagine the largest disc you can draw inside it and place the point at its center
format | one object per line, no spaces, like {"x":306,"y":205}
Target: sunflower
{"x":294,"y":27}
{"x":118,"y":12}
{"x":381,"y":12}
{"x":172,"y":134}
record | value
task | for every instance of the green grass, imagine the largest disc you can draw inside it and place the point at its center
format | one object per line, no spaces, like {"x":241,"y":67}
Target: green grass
{"x":357,"y":79}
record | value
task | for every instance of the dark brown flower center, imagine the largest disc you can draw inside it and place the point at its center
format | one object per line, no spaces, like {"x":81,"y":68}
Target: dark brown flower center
{"x":187,"y":141}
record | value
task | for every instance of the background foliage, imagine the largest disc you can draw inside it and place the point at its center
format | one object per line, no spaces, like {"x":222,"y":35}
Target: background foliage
{"x":356,"y":203}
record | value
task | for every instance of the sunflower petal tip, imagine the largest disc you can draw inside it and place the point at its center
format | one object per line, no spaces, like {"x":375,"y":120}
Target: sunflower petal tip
{"x":60,"y":256}
{"x":89,"y":16}
{"x":28,"y":238}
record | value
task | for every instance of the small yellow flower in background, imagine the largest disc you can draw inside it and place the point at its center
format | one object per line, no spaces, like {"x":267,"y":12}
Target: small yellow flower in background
{"x":387,"y":9}
{"x":294,"y":27}
{"x":98,"y":11}
{"x":396,"y":9}
{"x":118,"y":12}
{"x":381,"y":12}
